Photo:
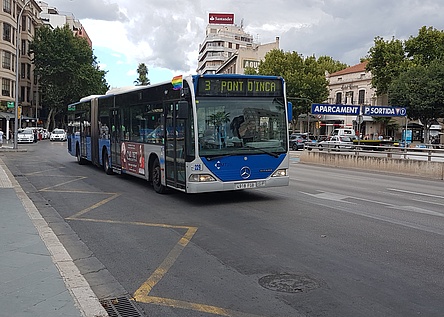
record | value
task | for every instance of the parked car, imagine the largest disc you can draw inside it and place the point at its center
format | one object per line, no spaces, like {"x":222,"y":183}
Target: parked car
{"x":58,"y":135}
{"x":299,"y":140}
{"x":25,"y":136}
{"x":336,"y":142}
{"x":296,"y":142}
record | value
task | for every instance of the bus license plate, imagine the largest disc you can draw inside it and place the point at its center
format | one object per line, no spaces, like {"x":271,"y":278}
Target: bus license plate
{"x":246,"y":185}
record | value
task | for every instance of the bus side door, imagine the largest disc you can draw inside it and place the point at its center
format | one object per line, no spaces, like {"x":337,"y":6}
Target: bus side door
{"x":174,"y":147}
{"x":115,"y":135}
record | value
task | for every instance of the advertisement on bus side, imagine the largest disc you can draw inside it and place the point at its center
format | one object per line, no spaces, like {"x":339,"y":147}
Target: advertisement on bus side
{"x":132,"y":157}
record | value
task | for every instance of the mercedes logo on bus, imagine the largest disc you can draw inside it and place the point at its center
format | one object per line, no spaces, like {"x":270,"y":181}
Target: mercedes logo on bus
{"x":245,"y":172}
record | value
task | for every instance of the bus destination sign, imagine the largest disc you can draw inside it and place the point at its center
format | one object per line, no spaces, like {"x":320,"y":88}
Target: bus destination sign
{"x":239,"y":87}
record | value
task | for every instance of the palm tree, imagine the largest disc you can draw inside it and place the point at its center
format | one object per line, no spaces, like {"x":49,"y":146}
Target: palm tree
{"x":143,"y":80}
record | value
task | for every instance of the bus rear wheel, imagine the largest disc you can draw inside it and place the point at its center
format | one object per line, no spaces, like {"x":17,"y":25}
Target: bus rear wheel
{"x":156,"y":177}
{"x":79,"y":158}
{"x":106,"y":166}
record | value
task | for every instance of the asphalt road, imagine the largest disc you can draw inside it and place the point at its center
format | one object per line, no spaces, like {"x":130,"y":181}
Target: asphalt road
{"x":335,"y":242}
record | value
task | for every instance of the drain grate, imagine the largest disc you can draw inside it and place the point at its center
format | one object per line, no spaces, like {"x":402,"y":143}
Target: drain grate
{"x":120,"y":307}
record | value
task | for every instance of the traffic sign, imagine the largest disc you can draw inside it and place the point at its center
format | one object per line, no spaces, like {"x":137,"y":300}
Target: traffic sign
{"x":321,"y":108}
{"x":10,"y":104}
{"x":383,"y":111}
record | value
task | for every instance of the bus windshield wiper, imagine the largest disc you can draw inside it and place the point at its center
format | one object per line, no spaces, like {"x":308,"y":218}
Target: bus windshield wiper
{"x":210,"y":158}
{"x":262,"y":150}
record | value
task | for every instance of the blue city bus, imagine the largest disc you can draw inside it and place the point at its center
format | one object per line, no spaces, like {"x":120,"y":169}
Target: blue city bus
{"x":200,"y":133}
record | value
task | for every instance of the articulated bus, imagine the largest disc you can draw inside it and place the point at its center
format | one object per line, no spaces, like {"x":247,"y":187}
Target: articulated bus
{"x":200,"y":133}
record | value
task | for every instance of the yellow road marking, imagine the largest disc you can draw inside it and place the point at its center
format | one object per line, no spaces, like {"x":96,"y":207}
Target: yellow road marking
{"x":49,"y":169}
{"x":163,"y":268}
{"x":196,"y":307}
{"x":64,"y":183}
{"x":142,"y":294}
{"x":100,"y":203}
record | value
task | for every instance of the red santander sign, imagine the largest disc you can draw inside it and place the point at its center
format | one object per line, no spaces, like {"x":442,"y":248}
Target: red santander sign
{"x":221,"y":18}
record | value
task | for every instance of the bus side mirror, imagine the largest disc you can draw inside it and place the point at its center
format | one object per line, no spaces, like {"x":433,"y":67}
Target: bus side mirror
{"x":290,"y":111}
{"x":182,"y":109}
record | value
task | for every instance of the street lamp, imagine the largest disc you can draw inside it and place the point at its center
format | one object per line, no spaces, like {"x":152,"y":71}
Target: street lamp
{"x":17,"y":57}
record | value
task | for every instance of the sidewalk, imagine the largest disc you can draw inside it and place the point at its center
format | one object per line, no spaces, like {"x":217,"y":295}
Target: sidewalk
{"x":37,"y":275}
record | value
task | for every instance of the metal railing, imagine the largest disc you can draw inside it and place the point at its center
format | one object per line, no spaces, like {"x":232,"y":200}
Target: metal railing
{"x":431,"y":152}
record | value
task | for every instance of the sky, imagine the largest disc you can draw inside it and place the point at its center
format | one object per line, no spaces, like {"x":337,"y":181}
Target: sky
{"x":165,"y":34}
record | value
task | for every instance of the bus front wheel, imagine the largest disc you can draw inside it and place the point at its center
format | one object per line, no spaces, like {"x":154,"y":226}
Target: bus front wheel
{"x":156,"y":177}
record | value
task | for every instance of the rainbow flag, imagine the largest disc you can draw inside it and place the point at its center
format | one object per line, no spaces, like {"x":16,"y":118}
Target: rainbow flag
{"x":177,"y":82}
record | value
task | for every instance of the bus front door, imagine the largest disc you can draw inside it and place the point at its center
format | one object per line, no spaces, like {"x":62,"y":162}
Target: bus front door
{"x":174,"y":148}
{"x":115,"y":136}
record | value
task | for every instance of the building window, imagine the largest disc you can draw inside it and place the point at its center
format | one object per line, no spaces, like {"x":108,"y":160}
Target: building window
{"x":7,"y":32}
{"x":6,"y":87}
{"x":23,"y":23}
{"x":22,"y":70}
{"x":7,"y":6}
{"x":6,"y":59}
{"x":23,"y":47}
{"x":28,"y":71}
{"x":22,"y":93}
{"x":349,"y":98}
{"x":338,"y":98}
{"x":361,"y":96}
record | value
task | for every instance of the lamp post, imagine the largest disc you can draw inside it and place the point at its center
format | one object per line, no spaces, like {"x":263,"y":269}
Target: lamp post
{"x":17,"y":77}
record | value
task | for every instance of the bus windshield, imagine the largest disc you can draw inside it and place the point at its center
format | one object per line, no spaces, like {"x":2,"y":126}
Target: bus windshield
{"x":233,"y":126}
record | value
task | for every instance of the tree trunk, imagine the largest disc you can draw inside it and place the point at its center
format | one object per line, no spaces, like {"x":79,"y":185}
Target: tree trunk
{"x":50,"y":120}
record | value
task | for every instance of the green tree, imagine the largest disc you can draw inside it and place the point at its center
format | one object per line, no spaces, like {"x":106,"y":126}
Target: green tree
{"x":386,"y":61}
{"x":305,"y":77}
{"x":66,"y":70}
{"x":426,"y":47}
{"x":142,"y":80}
{"x":330,"y":65}
{"x":420,"y":89}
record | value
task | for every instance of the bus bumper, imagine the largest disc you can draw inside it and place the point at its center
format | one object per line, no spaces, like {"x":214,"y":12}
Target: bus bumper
{"x":205,"y":187}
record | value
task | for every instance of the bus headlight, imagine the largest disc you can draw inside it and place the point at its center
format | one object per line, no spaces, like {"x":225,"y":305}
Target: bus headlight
{"x":201,"y":178}
{"x":280,"y":173}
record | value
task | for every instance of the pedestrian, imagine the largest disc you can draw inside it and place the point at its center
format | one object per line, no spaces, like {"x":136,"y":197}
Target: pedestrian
{"x":1,"y":137}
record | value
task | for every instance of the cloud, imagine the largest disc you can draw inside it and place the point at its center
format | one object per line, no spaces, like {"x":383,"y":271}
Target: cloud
{"x":166,"y":34}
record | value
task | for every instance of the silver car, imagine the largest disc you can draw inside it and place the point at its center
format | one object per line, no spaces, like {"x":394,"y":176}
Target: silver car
{"x":336,"y":142}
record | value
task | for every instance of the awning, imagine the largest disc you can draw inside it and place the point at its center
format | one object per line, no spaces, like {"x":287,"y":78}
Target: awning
{"x":414,"y":125}
{"x":11,"y":116}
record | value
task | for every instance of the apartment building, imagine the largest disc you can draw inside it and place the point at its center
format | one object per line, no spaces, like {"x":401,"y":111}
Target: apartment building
{"x":14,"y":48}
{"x":227,"y":48}
{"x":352,"y":86}
{"x":246,"y":57}
{"x":54,"y":18}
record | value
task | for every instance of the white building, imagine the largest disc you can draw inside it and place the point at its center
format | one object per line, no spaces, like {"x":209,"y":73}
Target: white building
{"x":352,"y":86}
{"x":227,"y":48}
{"x":54,"y":18}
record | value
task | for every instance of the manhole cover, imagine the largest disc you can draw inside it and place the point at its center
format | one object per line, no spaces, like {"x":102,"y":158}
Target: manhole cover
{"x":288,"y":283}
